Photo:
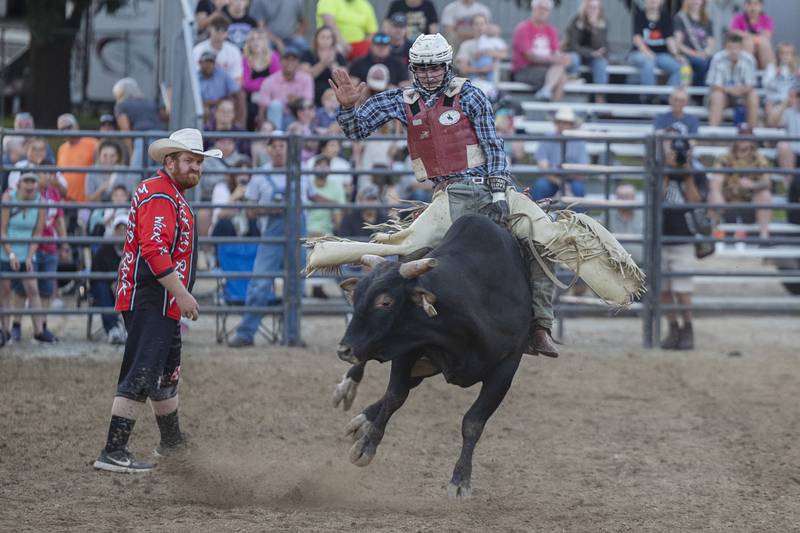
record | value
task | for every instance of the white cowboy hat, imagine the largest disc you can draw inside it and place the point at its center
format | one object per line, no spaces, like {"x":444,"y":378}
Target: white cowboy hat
{"x":565,"y":114}
{"x":185,"y":140}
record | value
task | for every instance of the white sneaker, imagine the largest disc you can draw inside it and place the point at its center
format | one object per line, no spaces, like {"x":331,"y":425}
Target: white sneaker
{"x":117,"y":335}
{"x":543,"y":95}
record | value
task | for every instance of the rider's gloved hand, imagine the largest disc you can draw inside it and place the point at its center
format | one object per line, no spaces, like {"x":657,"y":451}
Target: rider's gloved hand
{"x":499,"y":210}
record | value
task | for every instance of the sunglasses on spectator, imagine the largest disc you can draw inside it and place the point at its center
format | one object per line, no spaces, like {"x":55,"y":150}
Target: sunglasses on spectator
{"x":381,"y":39}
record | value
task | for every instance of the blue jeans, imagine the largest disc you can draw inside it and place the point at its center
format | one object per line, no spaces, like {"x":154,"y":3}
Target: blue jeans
{"x":699,"y":70}
{"x":104,"y":297}
{"x":599,"y":67}
{"x":544,"y":188}
{"x":647,"y":67}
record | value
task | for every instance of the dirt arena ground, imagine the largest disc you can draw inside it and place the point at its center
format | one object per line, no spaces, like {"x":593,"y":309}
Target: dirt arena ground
{"x":609,"y":437}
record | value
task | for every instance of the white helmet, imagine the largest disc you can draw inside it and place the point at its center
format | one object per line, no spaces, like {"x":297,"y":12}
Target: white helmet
{"x":430,"y":49}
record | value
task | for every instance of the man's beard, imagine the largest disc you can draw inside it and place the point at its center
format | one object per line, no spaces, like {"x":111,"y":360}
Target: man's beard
{"x":187,"y":180}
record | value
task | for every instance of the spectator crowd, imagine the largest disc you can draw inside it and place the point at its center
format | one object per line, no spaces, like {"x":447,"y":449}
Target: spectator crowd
{"x":261,"y":69}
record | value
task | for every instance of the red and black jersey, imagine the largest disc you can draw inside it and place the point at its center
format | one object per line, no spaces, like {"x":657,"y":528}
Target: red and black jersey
{"x":161,"y":238}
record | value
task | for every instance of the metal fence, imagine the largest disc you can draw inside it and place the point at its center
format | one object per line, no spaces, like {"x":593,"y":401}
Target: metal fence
{"x":649,"y":175}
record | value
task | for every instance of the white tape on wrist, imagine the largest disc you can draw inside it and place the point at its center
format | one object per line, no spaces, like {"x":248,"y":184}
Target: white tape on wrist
{"x":498,"y":196}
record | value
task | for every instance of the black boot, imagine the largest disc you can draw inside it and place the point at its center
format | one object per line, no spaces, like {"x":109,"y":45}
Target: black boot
{"x":670,"y":342}
{"x":686,"y":337}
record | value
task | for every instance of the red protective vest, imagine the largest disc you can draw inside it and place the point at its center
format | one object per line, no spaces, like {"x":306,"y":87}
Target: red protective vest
{"x":441,"y":139}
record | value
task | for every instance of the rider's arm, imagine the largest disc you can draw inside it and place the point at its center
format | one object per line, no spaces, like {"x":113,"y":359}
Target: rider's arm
{"x":479,"y":110}
{"x":359,"y":122}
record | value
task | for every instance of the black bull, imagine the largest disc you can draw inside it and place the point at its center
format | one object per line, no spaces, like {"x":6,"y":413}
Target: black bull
{"x":464,"y":310}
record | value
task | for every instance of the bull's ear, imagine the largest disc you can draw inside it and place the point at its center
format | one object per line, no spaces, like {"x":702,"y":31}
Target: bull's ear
{"x":425,"y":299}
{"x":348,"y":286}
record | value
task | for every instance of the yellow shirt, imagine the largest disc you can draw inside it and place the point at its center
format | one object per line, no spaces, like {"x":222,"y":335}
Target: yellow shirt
{"x":355,"y":18}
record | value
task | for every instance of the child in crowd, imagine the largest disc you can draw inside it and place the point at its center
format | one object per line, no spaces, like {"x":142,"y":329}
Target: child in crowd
{"x":778,"y":80}
{"x":325,"y":117}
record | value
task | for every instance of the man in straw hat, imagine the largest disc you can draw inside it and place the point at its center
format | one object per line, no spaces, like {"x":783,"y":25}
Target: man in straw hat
{"x":156,"y":274}
{"x":552,"y":154}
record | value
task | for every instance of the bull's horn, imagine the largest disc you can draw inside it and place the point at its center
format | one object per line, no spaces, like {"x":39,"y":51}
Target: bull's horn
{"x":412,"y":269}
{"x":370,"y":260}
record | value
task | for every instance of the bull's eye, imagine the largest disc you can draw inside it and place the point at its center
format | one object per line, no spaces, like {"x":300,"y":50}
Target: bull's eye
{"x":384,"y":301}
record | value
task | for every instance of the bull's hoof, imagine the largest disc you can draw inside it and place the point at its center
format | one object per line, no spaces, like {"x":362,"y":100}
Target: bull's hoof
{"x":345,"y":393}
{"x":358,"y":427}
{"x":458,"y":492}
{"x":360,"y":455}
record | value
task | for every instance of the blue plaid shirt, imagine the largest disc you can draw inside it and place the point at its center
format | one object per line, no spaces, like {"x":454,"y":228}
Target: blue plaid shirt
{"x":359,"y":123}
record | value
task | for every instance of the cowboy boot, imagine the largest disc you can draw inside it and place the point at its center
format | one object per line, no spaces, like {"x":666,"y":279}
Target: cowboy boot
{"x":686,"y":337}
{"x":670,"y":342}
{"x":540,"y":342}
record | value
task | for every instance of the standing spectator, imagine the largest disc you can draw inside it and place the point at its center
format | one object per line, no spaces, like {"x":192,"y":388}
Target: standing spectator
{"x":267,"y":188}
{"x":228,"y":56}
{"x":106,"y":259}
{"x":321,"y":59}
{"x":537,"y":59}
{"x":224,"y":119}
{"x":75,"y":152}
{"x":352,"y":21}
{"x":13,"y":153}
{"x":587,"y":42}
{"x":695,"y":39}
{"x":679,"y":257}
{"x":380,"y":52}
{"x":628,"y":220}
{"x":458,"y":20}
{"x":100,"y":183}
{"x":22,"y":223}
{"x":548,"y":156}
{"x":241,"y":23}
{"x":421,"y":15}
{"x":755,"y":28}
{"x":654,"y":44}
{"x":23,"y":121}
{"x":478,"y":57}
{"x":259,"y":60}
{"x":778,"y":80}
{"x":676,"y":118}
{"x":35,"y":155}
{"x":397,"y":28}
{"x":215,"y":84}
{"x":743,"y":188}
{"x":135,"y":113}
{"x":120,"y":197}
{"x":202,"y":15}
{"x":789,"y":152}
{"x":283,"y":87}
{"x":732,"y":78}
{"x":283,"y":20}
{"x":323,"y":221}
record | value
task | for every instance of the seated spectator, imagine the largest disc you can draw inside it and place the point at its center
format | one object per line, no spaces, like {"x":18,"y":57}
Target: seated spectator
{"x":537,"y":59}
{"x":241,"y":23}
{"x":694,"y":37}
{"x":755,"y":28}
{"x":397,"y":28}
{"x":101,"y":222}
{"x":13,"y":153}
{"x":134,"y":112}
{"x":380,"y":52}
{"x":22,"y":223}
{"x":372,"y":152}
{"x":628,"y":220}
{"x":215,"y":169}
{"x":325,"y":116}
{"x":331,"y":149}
{"x":504,"y":124}
{"x":421,"y":14}
{"x":377,"y":81}
{"x":224,"y":119}
{"x":215,"y":84}
{"x":732,"y":78}
{"x":654,"y":44}
{"x":323,"y":221}
{"x":478,"y":57}
{"x":259,"y":152}
{"x":283,"y":21}
{"x":676,"y":118}
{"x":202,"y":15}
{"x":548,"y":155}
{"x":587,"y":42}
{"x":458,"y":19}
{"x":388,"y":188}
{"x":743,"y":188}
{"x":322,"y":59}
{"x":789,"y":151}
{"x":100,"y":183}
{"x":778,"y":80}
{"x":106,"y":259}
{"x":302,"y":112}
{"x":353,"y":223}
{"x":107,"y":123}
{"x":36,"y":155}
{"x":281,"y":88}
{"x":232,"y":221}
{"x":75,"y":152}
{"x":228,"y":56}
{"x":23,"y":121}
{"x":352,"y":21}
{"x":259,"y":60}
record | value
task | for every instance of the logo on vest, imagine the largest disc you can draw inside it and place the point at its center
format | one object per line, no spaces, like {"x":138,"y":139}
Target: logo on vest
{"x":449,"y":117}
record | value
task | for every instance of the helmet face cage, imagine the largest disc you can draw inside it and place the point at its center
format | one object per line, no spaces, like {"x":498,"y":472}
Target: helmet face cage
{"x":429,"y":52}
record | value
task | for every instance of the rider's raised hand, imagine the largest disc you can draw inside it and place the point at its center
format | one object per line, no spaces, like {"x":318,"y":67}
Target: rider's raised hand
{"x":346,"y":91}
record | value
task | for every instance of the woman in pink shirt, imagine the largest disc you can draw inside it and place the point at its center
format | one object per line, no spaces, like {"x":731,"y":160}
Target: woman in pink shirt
{"x":259,"y":60}
{"x":756,"y":29}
